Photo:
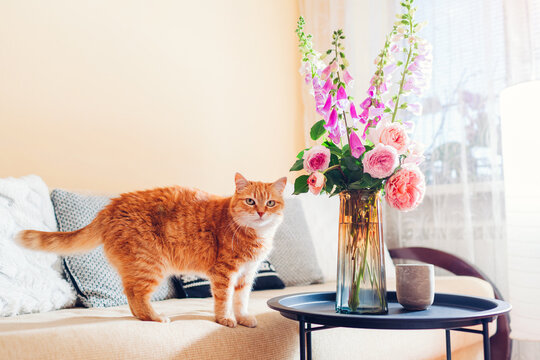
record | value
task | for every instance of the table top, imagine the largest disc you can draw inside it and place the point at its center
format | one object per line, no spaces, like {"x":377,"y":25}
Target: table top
{"x":448,"y":311}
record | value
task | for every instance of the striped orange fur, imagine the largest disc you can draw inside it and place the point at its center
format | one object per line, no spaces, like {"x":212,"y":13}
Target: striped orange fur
{"x":150,"y":234}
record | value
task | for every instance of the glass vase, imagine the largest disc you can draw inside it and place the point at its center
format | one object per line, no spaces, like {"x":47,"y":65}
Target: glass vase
{"x":361,"y":280}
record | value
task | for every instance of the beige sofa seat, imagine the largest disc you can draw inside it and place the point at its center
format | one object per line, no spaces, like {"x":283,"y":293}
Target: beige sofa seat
{"x":112,"y":333}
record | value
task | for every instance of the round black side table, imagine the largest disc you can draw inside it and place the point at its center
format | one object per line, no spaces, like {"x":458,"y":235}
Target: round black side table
{"x":449,"y":312}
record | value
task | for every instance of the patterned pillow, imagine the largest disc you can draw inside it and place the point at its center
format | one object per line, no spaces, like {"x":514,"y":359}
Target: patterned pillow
{"x":97,"y":283}
{"x":192,"y":286}
{"x":294,"y":254}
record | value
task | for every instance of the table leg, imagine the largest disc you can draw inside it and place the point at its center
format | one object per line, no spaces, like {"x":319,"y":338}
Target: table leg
{"x":485,"y":333}
{"x":448,"y":346}
{"x":302,"y":331}
{"x":308,"y":341}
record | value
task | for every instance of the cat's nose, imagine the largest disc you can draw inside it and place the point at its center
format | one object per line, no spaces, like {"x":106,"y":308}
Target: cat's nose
{"x":261,"y":213}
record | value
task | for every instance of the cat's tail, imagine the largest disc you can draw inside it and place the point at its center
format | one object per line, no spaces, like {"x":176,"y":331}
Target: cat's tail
{"x":64,"y":243}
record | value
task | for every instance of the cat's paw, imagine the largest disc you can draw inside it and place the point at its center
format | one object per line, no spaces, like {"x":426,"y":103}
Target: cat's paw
{"x":163,"y":319}
{"x":229,"y":322}
{"x":247,"y":320}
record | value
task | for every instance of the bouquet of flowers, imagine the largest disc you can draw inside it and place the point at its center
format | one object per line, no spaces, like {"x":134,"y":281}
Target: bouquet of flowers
{"x":366,"y":146}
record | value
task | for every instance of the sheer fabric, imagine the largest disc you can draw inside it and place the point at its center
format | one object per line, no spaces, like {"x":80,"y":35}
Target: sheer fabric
{"x":479,"y":48}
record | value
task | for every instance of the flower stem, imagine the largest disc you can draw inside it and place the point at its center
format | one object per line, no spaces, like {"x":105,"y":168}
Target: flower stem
{"x":403,"y":76}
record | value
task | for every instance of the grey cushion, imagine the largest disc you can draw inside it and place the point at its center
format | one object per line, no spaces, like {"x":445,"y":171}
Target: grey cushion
{"x":294,"y":255}
{"x":96,"y":281}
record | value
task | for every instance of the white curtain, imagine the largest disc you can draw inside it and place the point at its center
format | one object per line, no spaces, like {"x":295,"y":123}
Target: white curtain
{"x":479,"y":48}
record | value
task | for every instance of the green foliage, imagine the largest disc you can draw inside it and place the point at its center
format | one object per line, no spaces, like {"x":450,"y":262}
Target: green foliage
{"x":350,"y":163}
{"x":333,"y":148}
{"x":298,"y":165}
{"x":366,"y":182}
{"x":300,"y":185}
{"x":317,"y":130}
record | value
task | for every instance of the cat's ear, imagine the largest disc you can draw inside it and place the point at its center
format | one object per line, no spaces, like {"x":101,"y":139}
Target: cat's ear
{"x":279,"y":185}
{"x":240,"y":182}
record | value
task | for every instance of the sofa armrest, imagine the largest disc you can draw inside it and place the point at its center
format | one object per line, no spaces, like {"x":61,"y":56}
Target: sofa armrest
{"x":501,"y":344}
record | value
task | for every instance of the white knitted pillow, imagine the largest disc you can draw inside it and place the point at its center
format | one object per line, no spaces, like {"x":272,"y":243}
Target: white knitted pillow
{"x":28,"y":281}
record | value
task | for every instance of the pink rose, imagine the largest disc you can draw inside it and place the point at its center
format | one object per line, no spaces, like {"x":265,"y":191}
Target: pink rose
{"x":381,"y":161}
{"x":406,"y":188}
{"x":392,"y":134}
{"x":316,"y":159}
{"x":316,"y":182}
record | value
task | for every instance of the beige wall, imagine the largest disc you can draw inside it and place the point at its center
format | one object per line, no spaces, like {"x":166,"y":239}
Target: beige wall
{"x":122,"y":95}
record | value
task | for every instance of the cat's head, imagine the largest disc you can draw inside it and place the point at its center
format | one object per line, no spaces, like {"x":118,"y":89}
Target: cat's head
{"x":257,"y":204}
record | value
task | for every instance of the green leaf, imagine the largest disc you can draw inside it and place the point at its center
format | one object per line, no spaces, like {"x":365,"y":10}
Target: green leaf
{"x":333,"y":148}
{"x":298,"y":165}
{"x":335,"y":177}
{"x":317,"y":130}
{"x":355,"y":176}
{"x":334,"y":160}
{"x":366,"y":182}
{"x":300,"y":154}
{"x":328,"y":51}
{"x":350,"y":163}
{"x":341,"y":54}
{"x":300,"y":185}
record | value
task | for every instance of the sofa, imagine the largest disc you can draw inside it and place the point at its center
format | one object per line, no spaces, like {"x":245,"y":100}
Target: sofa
{"x":113,"y":333}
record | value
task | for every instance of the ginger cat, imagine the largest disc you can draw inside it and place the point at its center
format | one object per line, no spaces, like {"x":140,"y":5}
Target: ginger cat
{"x":150,"y":234}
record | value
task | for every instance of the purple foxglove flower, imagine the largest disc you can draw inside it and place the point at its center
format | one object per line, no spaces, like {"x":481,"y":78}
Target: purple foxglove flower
{"x":352,"y":111}
{"x":371,"y":91}
{"x":357,"y":148}
{"x":327,"y":86}
{"x":419,"y":58}
{"x":305,"y":68}
{"x":327,"y":105}
{"x":320,"y":99}
{"x":334,"y":66}
{"x":364,"y":134}
{"x":334,"y":136}
{"x":342,"y":128}
{"x":409,"y":125}
{"x":354,"y":116}
{"x":317,"y":84}
{"x":307,"y":78}
{"x":348,"y":79}
{"x":326,"y":72}
{"x":409,"y":85}
{"x":342,"y":101}
{"x":383,"y":88}
{"x":331,"y":123}
{"x":388,"y":69}
{"x":413,"y":66}
{"x":366,"y":103}
{"x":364,"y":116}
{"x":415,"y":108}
{"x":375,"y":112}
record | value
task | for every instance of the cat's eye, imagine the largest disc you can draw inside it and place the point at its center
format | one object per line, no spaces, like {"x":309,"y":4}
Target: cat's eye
{"x":250,"y":202}
{"x":270,"y":203}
